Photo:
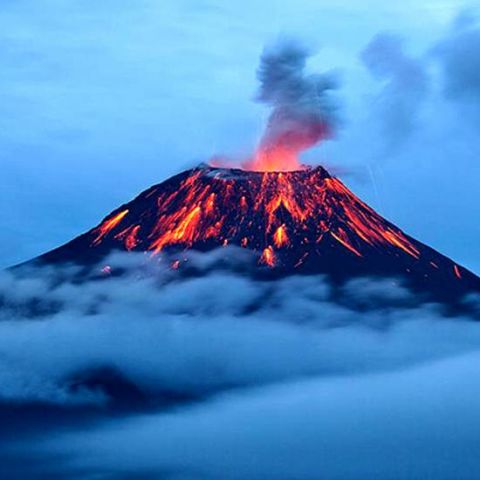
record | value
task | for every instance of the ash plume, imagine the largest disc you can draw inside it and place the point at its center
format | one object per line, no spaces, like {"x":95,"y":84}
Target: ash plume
{"x":302,"y":110}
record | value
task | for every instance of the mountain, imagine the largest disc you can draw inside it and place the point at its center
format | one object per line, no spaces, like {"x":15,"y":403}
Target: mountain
{"x":303,"y":221}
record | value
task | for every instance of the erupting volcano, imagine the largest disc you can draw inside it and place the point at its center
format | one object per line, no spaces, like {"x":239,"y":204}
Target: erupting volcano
{"x":296,"y":219}
{"x":296,"y":222}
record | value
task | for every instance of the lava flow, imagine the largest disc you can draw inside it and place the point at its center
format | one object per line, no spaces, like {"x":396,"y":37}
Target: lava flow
{"x":293,"y":218}
{"x":267,"y":212}
{"x":296,"y":221}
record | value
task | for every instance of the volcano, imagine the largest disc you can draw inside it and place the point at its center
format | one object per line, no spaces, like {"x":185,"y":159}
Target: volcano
{"x":295,"y":222}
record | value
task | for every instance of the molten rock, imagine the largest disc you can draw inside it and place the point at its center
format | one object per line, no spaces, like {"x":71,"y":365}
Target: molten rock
{"x":296,"y":222}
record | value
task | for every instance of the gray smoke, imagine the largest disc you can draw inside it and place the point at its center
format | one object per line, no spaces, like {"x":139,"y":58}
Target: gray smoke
{"x":303,"y":110}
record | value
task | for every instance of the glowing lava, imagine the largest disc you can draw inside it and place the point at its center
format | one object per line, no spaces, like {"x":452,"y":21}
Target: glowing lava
{"x":301,"y":221}
{"x":280,"y":237}
{"x":108,"y":226}
{"x":266,"y":212}
{"x":275,"y":159}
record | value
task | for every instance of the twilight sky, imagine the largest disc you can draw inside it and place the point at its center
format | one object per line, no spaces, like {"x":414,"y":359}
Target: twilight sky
{"x":99,"y":100}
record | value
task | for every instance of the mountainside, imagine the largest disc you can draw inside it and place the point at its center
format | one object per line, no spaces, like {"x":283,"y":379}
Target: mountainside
{"x":301,"y":221}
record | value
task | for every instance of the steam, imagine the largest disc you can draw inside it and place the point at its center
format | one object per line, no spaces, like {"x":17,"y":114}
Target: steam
{"x":302,"y":110}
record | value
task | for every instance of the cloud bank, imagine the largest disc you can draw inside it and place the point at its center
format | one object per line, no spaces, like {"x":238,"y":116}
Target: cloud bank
{"x":225,"y":376}
{"x":418,"y":423}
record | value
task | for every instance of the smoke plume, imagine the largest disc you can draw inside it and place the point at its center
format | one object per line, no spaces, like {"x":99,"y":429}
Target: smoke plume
{"x":302,"y":111}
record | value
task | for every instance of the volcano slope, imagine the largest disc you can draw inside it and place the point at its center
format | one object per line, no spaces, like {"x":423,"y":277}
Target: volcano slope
{"x":297,"y":222}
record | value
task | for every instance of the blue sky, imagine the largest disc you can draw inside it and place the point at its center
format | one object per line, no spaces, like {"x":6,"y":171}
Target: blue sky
{"x":99,"y":100}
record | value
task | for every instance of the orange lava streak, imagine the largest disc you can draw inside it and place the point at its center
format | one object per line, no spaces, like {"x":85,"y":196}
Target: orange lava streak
{"x":131,"y":241}
{"x":280,"y":237}
{"x":401,"y":242}
{"x":284,"y":197}
{"x":183,"y":233}
{"x":343,"y":239}
{"x":268,"y":257}
{"x":367,"y":224}
{"x":264,"y":211}
{"x":210,"y":203}
{"x":108,"y":226}
{"x":457,"y":271}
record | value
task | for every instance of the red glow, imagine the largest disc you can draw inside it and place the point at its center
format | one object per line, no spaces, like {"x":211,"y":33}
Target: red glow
{"x":129,"y":236}
{"x":131,"y":240}
{"x":458,"y":274}
{"x":183,"y":228}
{"x":280,"y":237}
{"x":268,"y":257}
{"x":275,"y":159}
{"x":342,"y":237}
{"x":108,"y":225}
{"x":283,"y":142}
{"x":106,"y":270}
{"x":270,"y":213}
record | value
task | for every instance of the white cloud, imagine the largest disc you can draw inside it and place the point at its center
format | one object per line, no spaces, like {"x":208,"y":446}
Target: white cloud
{"x":416,"y":423}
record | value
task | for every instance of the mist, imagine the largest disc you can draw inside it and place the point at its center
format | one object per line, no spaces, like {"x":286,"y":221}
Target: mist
{"x":267,"y":380}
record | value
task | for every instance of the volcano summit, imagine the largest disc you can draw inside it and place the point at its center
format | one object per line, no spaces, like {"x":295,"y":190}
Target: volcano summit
{"x":303,"y":222}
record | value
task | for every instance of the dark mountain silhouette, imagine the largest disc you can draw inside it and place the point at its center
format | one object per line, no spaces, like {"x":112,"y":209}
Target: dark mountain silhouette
{"x":303,"y":221}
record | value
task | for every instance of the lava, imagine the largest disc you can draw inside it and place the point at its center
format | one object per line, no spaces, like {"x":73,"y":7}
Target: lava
{"x":457,"y":271}
{"x":129,"y":235}
{"x":280,"y":237}
{"x":181,"y":228}
{"x":268,"y":257}
{"x":292,"y":222}
{"x":108,"y":226}
{"x":263,"y":211}
{"x":131,"y":240}
{"x":274,"y":159}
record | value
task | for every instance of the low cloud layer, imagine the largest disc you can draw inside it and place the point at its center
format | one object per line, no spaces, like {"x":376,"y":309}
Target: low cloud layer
{"x":242,"y":378}
{"x":169,"y":334}
{"x":417,"y":423}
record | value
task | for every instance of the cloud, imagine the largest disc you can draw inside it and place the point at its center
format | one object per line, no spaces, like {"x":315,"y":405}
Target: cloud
{"x":242,"y":378}
{"x":459,"y":57}
{"x":171,"y":334}
{"x":273,"y":381}
{"x":405,"y":86}
{"x":417,"y":423}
